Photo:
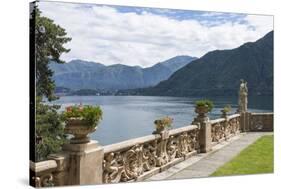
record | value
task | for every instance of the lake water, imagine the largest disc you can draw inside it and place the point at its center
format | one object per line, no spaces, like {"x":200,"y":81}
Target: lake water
{"x":126,"y":117}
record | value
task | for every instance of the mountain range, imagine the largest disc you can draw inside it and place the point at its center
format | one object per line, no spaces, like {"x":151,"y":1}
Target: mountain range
{"x":218,"y":73}
{"x":84,"y":75}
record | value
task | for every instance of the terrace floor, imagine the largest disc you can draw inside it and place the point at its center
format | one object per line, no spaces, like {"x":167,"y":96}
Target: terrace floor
{"x":204,"y":164}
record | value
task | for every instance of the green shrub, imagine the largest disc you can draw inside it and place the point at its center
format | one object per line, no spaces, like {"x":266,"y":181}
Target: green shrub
{"x":205,"y":102}
{"x":227,"y":108}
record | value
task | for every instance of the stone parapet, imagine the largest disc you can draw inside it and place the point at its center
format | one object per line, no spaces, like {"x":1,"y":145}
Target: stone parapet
{"x":137,"y":159}
{"x":261,"y":122}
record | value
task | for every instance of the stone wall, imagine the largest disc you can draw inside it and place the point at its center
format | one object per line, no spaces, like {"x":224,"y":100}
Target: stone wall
{"x":261,"y":122}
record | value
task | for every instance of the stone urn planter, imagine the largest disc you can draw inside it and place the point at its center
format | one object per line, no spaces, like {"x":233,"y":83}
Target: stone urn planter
{"x":79,"y":129}
{"x":162,"y":125}
{"x":225,"y":111}
{"x":81,"y":121}
{"x":202,"y":110}
{"x":202,"y":107}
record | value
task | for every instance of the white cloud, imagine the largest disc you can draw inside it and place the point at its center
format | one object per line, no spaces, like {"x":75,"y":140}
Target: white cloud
{"x":102,"y":34}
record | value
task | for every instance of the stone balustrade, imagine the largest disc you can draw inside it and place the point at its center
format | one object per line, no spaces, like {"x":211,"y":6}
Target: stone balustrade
{"x":43,"y":173}
{"x":142,"y":157}
{"x":224,"y":128}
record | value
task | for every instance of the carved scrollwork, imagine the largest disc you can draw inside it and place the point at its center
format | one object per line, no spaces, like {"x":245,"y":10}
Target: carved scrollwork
{"x":45,"y":180}
{"x":112,"y":169}
{"x":183,"y":145}
{"x":234,"y":125}
{"x":193,"y":140}
{"x":149,"y":156}
{"x":133,"y":163}
{"x":218,"y":132}
{"x":172,"y":146}
{"x":130,"y":163}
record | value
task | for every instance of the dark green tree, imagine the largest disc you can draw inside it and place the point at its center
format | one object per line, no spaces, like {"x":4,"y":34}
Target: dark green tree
{"x":49,"y":46}
{"x":49,"y":41}
{"x":49,"y":130}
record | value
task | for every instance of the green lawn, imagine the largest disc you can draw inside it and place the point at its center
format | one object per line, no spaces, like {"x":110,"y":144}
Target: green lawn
{"x":256,"y":158}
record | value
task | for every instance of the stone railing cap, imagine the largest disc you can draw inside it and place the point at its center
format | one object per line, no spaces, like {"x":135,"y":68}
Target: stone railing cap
{"x":233,"y":116}
{"x":182,"y":129}
{"x":262,"y":113}
{"x":141,"y":140}
{"x":129,"y":143}
{"x":43,"y":166}
{"x":217,"y":120}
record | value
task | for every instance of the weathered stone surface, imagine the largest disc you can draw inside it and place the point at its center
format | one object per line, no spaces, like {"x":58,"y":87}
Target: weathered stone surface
{"x":136,"y":159}
{"x":261,"y":122}
{"x":85,"y":163}
{"x":43,"y":172}
{"x":202,"y":165}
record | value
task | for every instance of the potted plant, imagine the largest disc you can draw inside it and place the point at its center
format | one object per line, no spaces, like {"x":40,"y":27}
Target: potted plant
{"x":202,"y":107}
{"x":225,"y":110}
{"x":162,"y":124}
{"x":80,"y":121}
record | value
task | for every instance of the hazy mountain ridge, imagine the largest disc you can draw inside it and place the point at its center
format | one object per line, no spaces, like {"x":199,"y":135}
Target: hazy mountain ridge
{"x":79,"y":74}
{"x":219,"y":73}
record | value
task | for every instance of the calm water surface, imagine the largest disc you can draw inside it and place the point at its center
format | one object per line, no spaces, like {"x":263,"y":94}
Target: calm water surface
{"x":126,"y":117}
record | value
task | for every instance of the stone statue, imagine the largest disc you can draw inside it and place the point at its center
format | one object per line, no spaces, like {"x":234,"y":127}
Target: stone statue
{"x":243,"y":97}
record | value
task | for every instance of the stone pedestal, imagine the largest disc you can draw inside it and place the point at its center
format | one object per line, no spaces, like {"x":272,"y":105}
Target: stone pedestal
{"x":85,"y":163}
{"x":245,"y":121}
{"x":205,"y":138}
{"x":205,"y":132}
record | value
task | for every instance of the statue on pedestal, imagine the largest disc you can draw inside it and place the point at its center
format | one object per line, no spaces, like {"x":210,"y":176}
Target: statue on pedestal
{"x":243,"y":97}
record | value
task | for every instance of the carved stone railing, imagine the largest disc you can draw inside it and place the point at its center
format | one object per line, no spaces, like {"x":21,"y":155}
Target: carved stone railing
{"x":43,"y":172}
{"x":140,"y":158}
{"x":261,"y":121}
{"x":224,"y":128}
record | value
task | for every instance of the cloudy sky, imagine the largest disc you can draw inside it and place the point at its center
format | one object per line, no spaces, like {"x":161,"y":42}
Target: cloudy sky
{"x":145,"y":36}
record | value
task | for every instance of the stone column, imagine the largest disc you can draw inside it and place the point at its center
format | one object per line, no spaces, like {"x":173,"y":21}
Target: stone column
{"x":205,"y":131}
{"x":85,"y":163}
{"x":245,"y":118}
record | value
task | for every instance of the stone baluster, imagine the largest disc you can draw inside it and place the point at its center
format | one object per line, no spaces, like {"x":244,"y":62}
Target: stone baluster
{"x":161,"y":152}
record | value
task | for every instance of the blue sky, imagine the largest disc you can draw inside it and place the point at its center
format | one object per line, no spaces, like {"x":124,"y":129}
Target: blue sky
{"x":145,"y":36}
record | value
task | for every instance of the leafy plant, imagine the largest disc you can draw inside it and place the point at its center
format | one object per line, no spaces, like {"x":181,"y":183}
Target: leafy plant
{"x":163,"y":122}
{"x":91,"y":115}
{"x":204,"y":103}
{"x":49,"y":130}
{"x":227,"y":108}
